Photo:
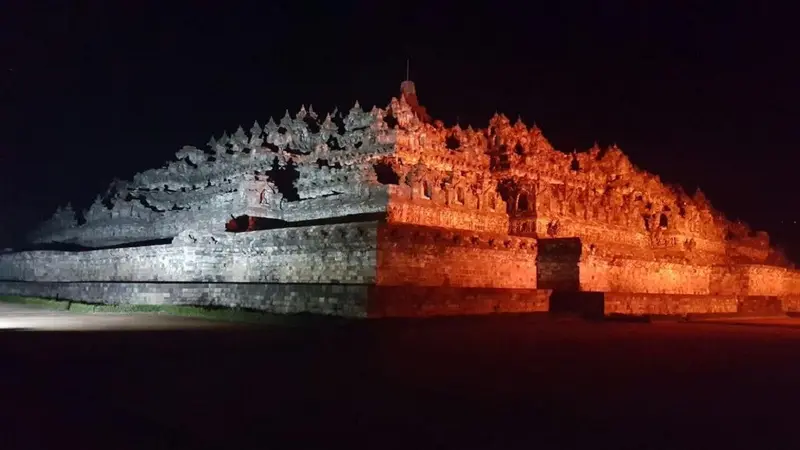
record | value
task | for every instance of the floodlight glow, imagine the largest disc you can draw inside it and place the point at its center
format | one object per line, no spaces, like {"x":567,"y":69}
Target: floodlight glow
{"x":26,"y":319}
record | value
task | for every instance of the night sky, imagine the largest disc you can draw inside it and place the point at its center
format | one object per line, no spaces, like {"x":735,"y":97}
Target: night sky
{"x":704,"y":96}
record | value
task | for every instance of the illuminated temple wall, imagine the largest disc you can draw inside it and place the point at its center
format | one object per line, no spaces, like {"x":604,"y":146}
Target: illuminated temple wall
{"x":357,"y":269}
{"x":652,"y":277}
{"x":761,"y":279}
{"x":377,"y":270}
{"x":420,"y":256}
{"x":408,"y":204}
{"x":316,"y":254}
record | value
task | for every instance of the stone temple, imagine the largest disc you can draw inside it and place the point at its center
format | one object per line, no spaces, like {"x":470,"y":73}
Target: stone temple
{"x":389,"y":213}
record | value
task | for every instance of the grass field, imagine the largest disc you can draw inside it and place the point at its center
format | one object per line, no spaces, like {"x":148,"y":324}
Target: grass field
{"x":220,"y":313}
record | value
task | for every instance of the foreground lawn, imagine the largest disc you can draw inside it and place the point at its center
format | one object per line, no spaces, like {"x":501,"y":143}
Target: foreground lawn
{"x":220,"y":314}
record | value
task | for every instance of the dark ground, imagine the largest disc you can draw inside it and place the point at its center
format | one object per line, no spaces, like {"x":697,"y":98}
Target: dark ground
{"x":484,"y":382}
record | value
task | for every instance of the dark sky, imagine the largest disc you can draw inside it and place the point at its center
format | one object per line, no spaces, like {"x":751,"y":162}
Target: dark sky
{"x":702,"y":95}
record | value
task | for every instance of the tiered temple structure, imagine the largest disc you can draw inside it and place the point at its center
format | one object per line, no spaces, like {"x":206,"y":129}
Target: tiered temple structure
{"x":387,"y":212}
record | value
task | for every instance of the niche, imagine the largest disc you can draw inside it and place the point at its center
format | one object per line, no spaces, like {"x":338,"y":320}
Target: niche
{"x":426,"y":190}
{"x":522,"y":202}
{"x":460,"y":196}
{"x":237,"y":224}
{"x":575,"y":166}
{"x":662,"y":221}
{"x":390,"y":119}
{"x":452,"y":142}
{"x":284,"y":178}
{"x":386,"y":174}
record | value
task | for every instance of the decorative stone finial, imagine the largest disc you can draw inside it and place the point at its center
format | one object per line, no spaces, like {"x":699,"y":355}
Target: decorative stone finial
{"x":270,"y":125}
{"x":328,"y":126}
{"x":519,"y":124}
{"x":222,"y":142}
{"x":407,"y":87}
{"x":240,"y":136}
{"x":286,"y":120}
{"x":256,"y":130}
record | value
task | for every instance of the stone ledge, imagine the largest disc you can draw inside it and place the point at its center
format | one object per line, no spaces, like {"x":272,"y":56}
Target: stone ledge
{"x":409,"y":235}
{"x":367,"y":301}
{"x":327,"y":299}
{"x":614,"y":305}
{"x":423,"y":301}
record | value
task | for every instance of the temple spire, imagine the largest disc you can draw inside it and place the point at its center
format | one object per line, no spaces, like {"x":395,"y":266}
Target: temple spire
{"x":408,"y":92}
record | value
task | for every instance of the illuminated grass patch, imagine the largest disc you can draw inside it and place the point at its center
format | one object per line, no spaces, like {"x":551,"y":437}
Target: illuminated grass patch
{"x":219,"y":314}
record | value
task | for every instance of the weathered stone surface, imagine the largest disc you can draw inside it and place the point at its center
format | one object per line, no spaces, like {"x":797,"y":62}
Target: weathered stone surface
{"x":557,"y":264}
{"x":599,"y":304}
{"x":284,"y":298}
{"x":411,"y":255}
{"x":343,"y":253}
{"x":668,"y":304}
{"x":636,"y":275}
{"x":281,"y":298}
{"x":424,"y":301}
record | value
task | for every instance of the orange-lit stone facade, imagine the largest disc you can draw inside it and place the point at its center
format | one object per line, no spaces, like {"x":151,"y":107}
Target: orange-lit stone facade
{"x":637,"y":234}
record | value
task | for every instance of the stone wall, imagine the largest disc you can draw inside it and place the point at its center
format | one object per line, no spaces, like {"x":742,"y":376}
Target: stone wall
{"x":557,"y":264}
{"x":342,"y":253}
{"x":368,"y":252}
{"x":668,"y":304}
{"x":420,"y":211}
{"x":617,"y":275}
{"x":771,"y":280}
{"x":591,"y":232}
{"x":389,"y":254}
{"x":597,"y":304}
{"x":330,"y":299}
{"x":755,"y":280}
{"x":425,"y":256}
{"x":682,"y":305}
{"x":730,"y":280}
{"x":791,"y":304}
{"x":617,"y":241}
{"x":372,"y":199}
{"x":600,"y":304}
{"x":631,"y":275}
{"x":107,"y":228}
{"x":761,"y":305}
{"x":422,"y":301}
{"x":444,"y":188}
{"x":334,"y":299}
{"x":412,"y":271}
